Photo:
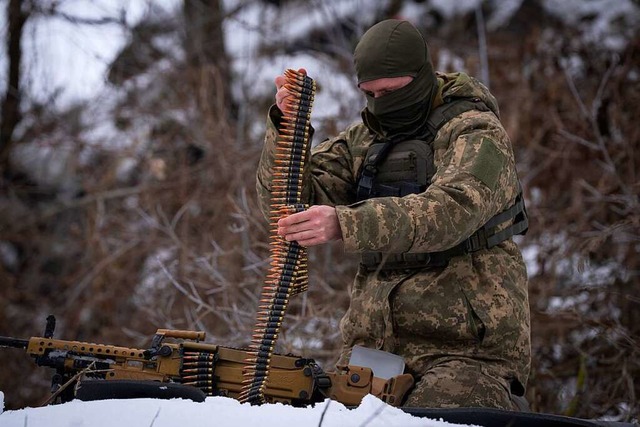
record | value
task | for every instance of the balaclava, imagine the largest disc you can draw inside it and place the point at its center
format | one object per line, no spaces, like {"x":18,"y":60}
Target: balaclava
{"x":395,"y":48}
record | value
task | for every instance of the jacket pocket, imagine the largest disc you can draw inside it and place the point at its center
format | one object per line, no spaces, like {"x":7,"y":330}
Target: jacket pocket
{"x":477,"y":327}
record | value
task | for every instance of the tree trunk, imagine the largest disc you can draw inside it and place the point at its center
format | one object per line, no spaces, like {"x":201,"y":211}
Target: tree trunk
{"x":207,"y":57}
{"x":16,"y":16}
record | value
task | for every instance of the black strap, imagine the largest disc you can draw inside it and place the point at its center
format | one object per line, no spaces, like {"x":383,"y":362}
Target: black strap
{"x":440,"y":115}
{"x":520,"y":225}
{"x":321,"y":381}
{"x":370,"y":170}
{"x":451,"y":108}
{"x":484,"y":238}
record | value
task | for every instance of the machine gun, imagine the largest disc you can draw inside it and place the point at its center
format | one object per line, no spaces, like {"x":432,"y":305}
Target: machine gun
{"x":180,"y":364}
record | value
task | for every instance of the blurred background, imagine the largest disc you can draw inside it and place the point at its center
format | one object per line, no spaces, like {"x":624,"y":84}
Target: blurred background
{"x":130,"y":133}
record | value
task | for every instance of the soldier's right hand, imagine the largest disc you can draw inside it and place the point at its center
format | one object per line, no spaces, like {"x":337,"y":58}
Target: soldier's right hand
{"x":281,"y":92}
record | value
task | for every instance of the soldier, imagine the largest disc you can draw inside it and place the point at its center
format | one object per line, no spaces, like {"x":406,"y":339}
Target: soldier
{"x":425,"y":189}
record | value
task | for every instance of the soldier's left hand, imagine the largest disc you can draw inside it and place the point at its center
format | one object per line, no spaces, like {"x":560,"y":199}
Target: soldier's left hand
{"x":319,"y":224}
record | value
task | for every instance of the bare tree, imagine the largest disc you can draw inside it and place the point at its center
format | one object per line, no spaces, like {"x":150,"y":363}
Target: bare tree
{"x":207,"y":57}
{"x":17,"y":14}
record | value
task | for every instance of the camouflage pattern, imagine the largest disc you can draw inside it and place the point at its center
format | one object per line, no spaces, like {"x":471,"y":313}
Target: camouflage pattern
{"x":463,"y":329}
{"x":461,"y":383}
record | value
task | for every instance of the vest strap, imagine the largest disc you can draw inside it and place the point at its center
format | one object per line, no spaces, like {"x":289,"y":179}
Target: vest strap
{"x":440,"y":115}
{"x":485,"y":237}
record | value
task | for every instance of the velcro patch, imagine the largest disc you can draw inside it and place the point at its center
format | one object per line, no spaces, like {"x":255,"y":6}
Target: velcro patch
{"x":488,"y":163}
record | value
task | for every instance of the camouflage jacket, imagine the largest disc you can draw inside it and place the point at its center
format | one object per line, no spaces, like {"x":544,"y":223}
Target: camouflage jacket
{"x":476,"y":307}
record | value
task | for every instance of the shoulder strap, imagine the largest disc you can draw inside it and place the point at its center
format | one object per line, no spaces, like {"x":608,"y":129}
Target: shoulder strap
{"x":451,"y":108}
{"x":437,"y":118}
{"x":375,"y":155}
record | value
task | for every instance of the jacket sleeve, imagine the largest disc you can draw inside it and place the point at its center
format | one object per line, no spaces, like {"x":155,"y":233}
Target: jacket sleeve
{"x":475,"y":179}
{"x":329,"y":177}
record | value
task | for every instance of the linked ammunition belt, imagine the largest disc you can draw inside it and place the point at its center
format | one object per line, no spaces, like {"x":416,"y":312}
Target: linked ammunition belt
{"x":198,"y":370}
{"x":287,"y":275}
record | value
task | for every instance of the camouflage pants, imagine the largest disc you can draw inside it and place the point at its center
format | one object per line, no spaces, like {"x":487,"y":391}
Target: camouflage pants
{"x":461,"y":383}
{"x":462,"y":334}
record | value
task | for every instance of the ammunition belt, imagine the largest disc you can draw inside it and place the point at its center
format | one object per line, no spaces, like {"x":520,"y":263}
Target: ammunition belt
{"x":287,"y":275}
{"x":198,"y":370}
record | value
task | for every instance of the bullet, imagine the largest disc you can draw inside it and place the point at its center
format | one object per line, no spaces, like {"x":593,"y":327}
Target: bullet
{"x":300,"y":81}
{"x":274,"y":309}
{"x":261,"y":348}
{"x":300,"y":93}
{"x":263,"y":372}
{"x":300,"y":90}
{"x":285,"y":169}
{"x":294,"y":126}
{"x":251,"y":370}
{"x":271,"y":305}
{"x":296,"y":78}
{"x":204,"y":357}
{"x":291,"y":261}
{"x":269,"y":324}
{"x":294,"y":75}
{"x":196,"y":377}
{"x":298,"y":110}
{"x":293,"y":154}
{"x":305,"y":95}
{"x":255,"y":360}
{"x":270,"y":331}
{"x":298,"y":104}
{"x":292,"y":114}
{"x":275,"y":300}
{"x":257,"y":379}
{"x":291,"y":150}
{"x":277,"y":297}
{"x":197,"y":370}
{"x":272,"y":336}
{"x":300,"y":115}
{"x":301,"y":290}
{"x":270,"y":319}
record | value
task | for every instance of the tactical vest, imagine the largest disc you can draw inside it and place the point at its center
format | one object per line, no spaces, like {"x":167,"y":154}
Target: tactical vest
{"x":407,"y":167}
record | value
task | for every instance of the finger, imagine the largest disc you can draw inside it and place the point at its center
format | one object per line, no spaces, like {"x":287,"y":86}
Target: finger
{"x":309,"y":243}
{"x":280,"y":81}
{"x":302,"y":71}
{"x":296,"y":218}
{"x":299,"y":236}
{"x":305,"y":239}
{"x":281,"y":97}
{"x":295,"y":228}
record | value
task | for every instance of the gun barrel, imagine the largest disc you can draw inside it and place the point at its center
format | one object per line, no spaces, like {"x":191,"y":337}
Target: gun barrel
{"x":13,"y":342}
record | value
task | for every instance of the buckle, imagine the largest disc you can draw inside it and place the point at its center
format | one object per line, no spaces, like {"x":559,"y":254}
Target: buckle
{"x":477,"y":241}
{"x":370,"y":259}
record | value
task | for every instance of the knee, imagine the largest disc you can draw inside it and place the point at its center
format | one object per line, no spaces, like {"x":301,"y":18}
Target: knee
{"x":457,"y":384}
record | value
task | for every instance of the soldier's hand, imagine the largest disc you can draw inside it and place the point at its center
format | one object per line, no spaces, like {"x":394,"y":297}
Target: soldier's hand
{"x":281,"y":92}
{"x":319,"y":224}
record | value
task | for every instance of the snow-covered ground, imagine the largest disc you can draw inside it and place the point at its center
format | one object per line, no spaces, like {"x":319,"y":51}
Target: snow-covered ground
{"x":215,"y":411}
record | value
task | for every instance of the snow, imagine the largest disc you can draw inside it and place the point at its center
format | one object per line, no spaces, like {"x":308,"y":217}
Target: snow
{"x":451,"y":9}
{"x":73,"y":59}
{"x":598,"y":20}
{"x":218,"y":411}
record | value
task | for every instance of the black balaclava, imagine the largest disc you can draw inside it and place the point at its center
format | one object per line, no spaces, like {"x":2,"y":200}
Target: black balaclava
{"x":395,"y":48}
